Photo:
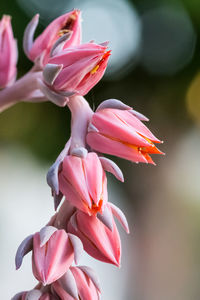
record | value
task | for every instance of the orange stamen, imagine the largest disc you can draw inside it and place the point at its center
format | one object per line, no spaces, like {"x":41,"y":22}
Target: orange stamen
{"x":94,"y":70}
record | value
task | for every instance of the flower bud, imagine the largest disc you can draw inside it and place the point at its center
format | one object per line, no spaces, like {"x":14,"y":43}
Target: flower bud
{"x":51,"y":260}
{"x":120,"y":132}
{"x":79,"y":283}
{"x":41,"y":47}
{"x":80,"y":68}
{"x":98,"y":240}
{"x":8,"y":53}
{"x":83,"y":182}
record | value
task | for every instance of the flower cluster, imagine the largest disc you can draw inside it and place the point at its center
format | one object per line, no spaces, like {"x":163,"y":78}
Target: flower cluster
{"x":64,"y":71}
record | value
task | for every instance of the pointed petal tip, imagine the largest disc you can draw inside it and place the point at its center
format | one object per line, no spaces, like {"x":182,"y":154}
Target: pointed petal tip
{"x":45,"y":234}
{"x":117,"y":262}
{"x":117,"y":212}
{"x":36,"y":17}
{"x":51,"y":72}
{"x":109,"y":166}
{"x":138,"y":115}
{"x":77,"y":10}
{"x":57,"y":200}
{"x":157,"y":141}
{"x":59,"y":44}
{"x":105,"y":44}
{"x":151,"y":163}
{"x":25,"y":247}
{"x":52,"y":177}
{"x":29,"y":34}
{"x":68,"y":283}
{"x":106,"y":218}
{"x":113,"y":103}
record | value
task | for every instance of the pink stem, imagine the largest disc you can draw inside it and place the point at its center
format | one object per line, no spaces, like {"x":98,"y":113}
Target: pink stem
{"x":63,"y":215}
{"x":81,"y":115}
{"x":21,"y":90}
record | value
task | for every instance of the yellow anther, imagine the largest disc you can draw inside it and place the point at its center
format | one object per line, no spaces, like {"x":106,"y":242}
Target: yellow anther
{"x":63,"y":31}
{"x":93,"y":71}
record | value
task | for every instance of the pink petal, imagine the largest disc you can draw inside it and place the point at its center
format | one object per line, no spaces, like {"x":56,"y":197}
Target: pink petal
{"x":103,"y":144}
{"x":93,"y":176}
{"x":86,"y":288}
{"x":98,"y":241}
{"x":52,"y":260}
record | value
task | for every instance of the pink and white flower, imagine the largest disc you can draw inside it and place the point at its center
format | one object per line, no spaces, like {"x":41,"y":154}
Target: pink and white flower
{"x":69,"y":23}
{"x":77,"y":69}
{"x":120,"y":132}
{"x":83,"y":182}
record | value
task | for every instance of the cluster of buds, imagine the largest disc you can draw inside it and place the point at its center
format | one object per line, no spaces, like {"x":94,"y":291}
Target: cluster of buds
{"x":63,"y":66}
{"x":64,"y":71}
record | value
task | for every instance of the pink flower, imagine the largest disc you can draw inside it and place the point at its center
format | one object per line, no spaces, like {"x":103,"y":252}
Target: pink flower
{"x":77,"y":283}
{"x":70,"y":22}
{"x":83,"y":182}
{"x":51,"y":260}
{"x":79,"y":68}
{"x":8,"y":53}
{"x":120,"y":132}
{"x":98,"y":240}
{"x":53,"y":251}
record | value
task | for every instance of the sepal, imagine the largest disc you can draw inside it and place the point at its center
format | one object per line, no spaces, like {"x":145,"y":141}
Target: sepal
{"x":25,"y":247}
{"x":120,"y":216}
{"x":109,"y":166}
{"x":113,"y":103}
{"x":29,"y":34}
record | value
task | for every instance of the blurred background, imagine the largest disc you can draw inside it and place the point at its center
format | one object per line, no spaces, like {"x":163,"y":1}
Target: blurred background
{"x":154,"y":68}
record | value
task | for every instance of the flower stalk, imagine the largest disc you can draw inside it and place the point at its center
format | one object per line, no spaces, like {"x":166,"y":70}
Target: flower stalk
{"x":81,"y":114}
{"x":25,"y":89}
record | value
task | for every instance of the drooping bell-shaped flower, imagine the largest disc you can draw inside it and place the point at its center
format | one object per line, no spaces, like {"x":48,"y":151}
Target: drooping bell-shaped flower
{"x":120,"y":132}
{"x":83,"y":181}
{"x":99,"y":235}
{"x":67,"y":24}
{"x":51,"y":261}
{"x":78,"y":283}
{"x":8,"y":53}
{"x":76,"y":70}
{"x":53,"y":252}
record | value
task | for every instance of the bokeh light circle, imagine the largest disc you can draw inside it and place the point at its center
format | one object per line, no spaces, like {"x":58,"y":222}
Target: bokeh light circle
{"x":168,"y":39}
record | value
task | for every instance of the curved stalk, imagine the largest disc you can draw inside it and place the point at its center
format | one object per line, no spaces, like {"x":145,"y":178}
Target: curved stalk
{"x":21,"y":90}
{"x":81,"y":115}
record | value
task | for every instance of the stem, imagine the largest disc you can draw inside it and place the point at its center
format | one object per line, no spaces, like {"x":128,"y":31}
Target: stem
{"x":63,"y":215}
{"x":81,"y":115}
{"x":20,"y":90}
